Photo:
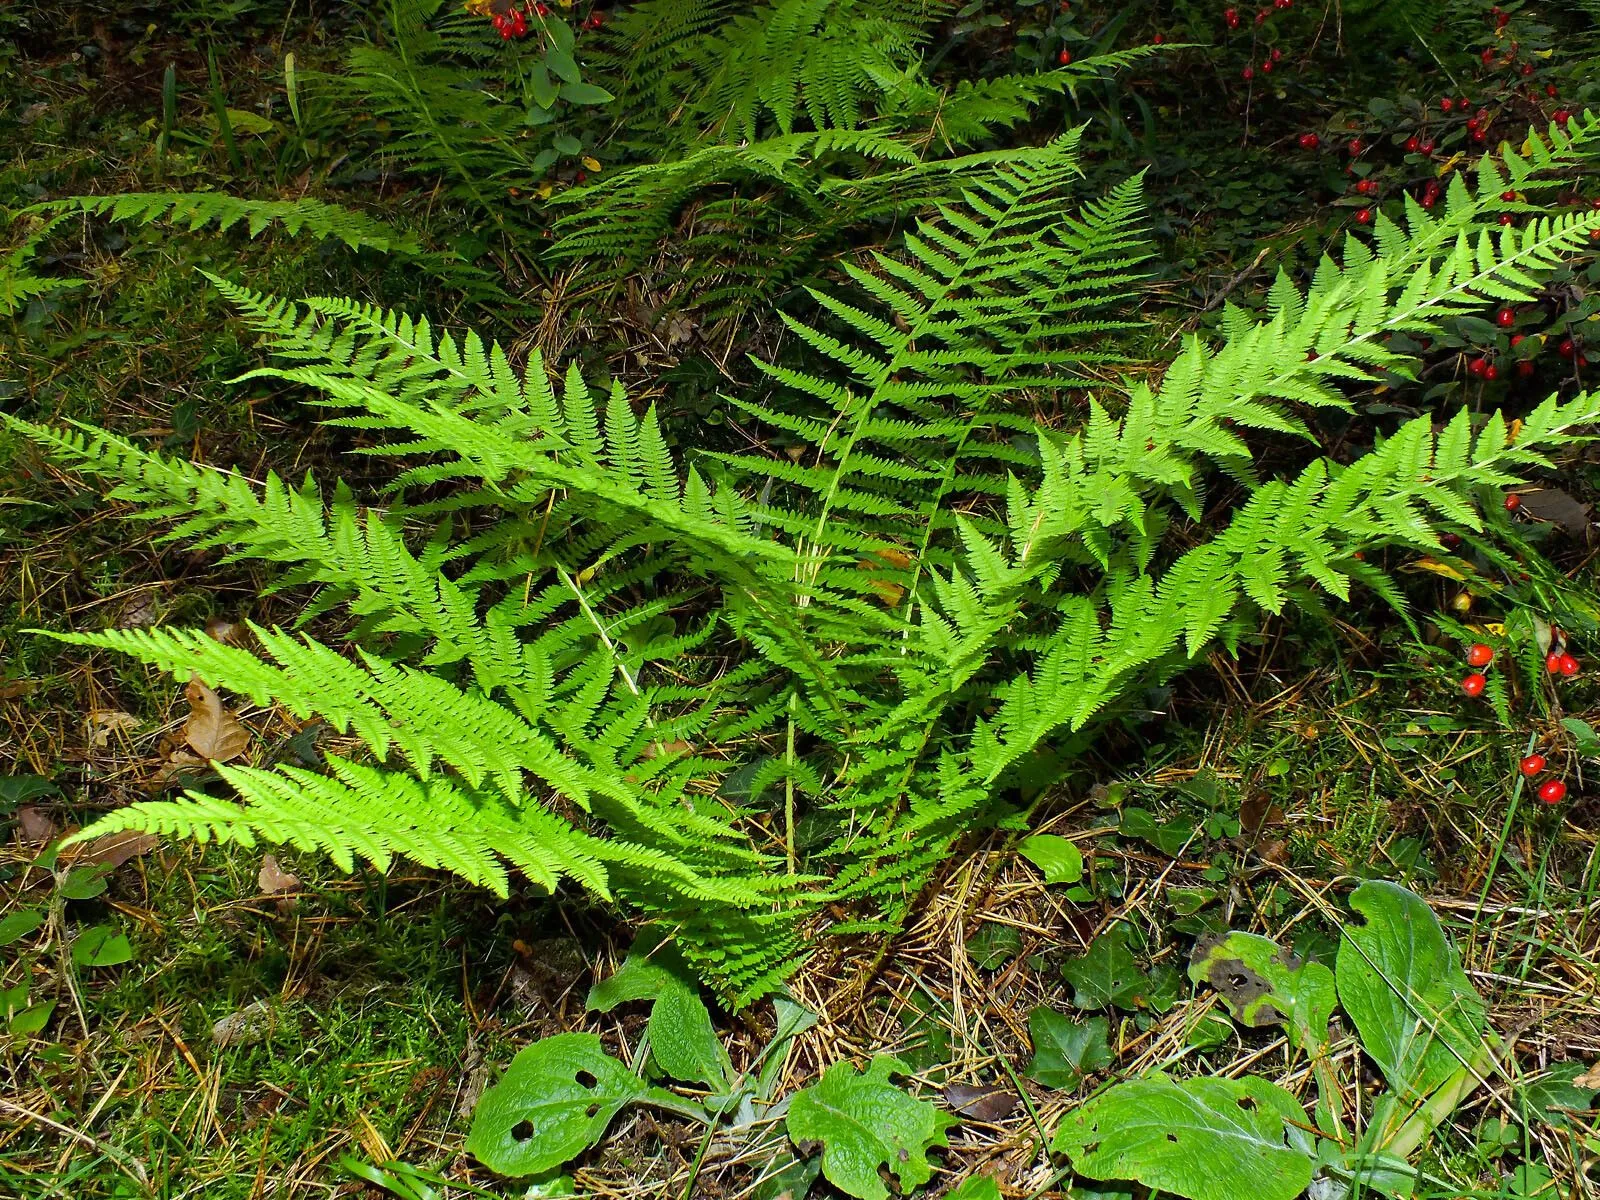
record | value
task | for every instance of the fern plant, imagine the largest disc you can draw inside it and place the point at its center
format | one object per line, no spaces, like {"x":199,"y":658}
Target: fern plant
{"x":579,"y":654}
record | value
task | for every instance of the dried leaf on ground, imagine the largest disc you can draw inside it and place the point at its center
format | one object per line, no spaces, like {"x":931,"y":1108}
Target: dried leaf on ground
{"x":112,"y":850}
{"x":1589,"y":1079}
{"x":1557,"y":507}
{"x":211,"y":730}
{"x":34,"y":826}
{"x":107,"y":721}
{"x":980,"y":1104}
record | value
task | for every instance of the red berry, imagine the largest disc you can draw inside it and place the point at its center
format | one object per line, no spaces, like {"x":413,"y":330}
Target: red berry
{"x":1568,"y":666}
{"x":1247,"y":74}
{"x":1488,"y":55}
{"x":1479,"y":655}
{"x":1491,"y":372}
{"x":1463,"y":104}
{"x":1277,"y":55}
{"x":1261,"y":17}
{"x":1505,"y":318}
{"x":1355,"y":147}
{"x":1478,"y":367}
{"x":1561,"y":116}
{"x":1531,"y":765}
{"x":1552,"y":791}
{"x":1157,"y":40}
{"x":1427,"y":145}
{"x":1565,"y":347}
{"x":1507,"y":219}
{"x":1364,"y":217}
{"x":1550,"y":90}
{"x":1064,"y":57}
{"x":1309,"y":141}
{"x":1450,"y":540}
{"x":1552,"y":662}
{"x":1447,"y":105}
{"x":1501,"y":20}
{"x":1525,"y":369}
{"x":1282,"y":3}
{"x":1231,"y":17}
{"x":1473,"y":684}
{"x":1266,"y":66}
{"x":1412,"y":145}
{"x":542,"y":9}
{"x":1517,"y":339}
{"x":1513,"y":502}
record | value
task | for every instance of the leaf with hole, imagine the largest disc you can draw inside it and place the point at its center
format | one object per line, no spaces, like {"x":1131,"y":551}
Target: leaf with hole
{"x":101,"y":946}
{"x":1064,"y":1050}
{"x":867,"y":1124}
{"x":1207,"y":1139}
{"x":1263,"y":984}
{"x":682,"y":1038}
{"x":19,"y":924}
{"x":552,"y":1104}
{"x":1400,"y":980}
{"x":1057,"y":858}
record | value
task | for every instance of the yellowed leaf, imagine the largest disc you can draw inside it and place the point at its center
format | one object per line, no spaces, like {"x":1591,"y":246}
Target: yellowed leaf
{"x":1589,"y":1080}
{"x":212,"y":731}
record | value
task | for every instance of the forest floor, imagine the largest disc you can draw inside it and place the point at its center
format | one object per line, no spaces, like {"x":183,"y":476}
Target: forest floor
{"x":275,"y":1024}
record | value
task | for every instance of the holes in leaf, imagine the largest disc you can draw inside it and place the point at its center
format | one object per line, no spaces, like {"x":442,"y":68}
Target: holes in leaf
{"x":522,"y":1130}
{"x":591,"y":1111}
{"x":1173,"y":1138}
{"x":1248,"y":1103}
{"x":586,"y":1079}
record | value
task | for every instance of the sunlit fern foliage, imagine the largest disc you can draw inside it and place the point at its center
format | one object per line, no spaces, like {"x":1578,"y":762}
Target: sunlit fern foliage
{"x":745,"y":695}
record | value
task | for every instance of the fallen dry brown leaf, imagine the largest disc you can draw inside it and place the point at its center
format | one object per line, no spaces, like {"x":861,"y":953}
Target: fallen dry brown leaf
{"x":34,"y":826}
{"x":107,"y":721}
{"x":212,"y":731}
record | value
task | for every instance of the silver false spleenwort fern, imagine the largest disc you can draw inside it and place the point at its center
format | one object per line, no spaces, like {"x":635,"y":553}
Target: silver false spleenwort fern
{"x":579,"y":654}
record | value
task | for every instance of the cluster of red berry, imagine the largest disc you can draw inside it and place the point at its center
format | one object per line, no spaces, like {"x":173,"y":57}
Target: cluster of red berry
{"x":1231,"y":18}
{"x":1557,"y":662}
{"x":513,"y":23}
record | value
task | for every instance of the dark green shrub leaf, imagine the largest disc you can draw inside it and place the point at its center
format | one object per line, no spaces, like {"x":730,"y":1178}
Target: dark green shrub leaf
{"x":994,"y":945}
{"x":1105,"y":974}
{"x":101,"y":946}
{"x":85,"y":883}
{"x":1263,"y":984}
{"x":865,"y":1123}
{"x":553,"y":1103}
{"x":19,"y":924}
{"x":1401,"y":982}
{"x":585,"y":93}
{"x":1064,"y":1050}
{"x":32,"y":1019}
{"x":19,"y":789}
{"x":1207,"y":1139}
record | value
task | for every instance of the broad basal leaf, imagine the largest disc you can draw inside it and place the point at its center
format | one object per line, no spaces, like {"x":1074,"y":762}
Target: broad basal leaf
{"x":681,"y":1034}
{"x":1207,"y":1139}
{"x":554,"y":1102}
{"x":1263,"y":984}
{"x":1401,"y":981}
{"x":866,"y":1123}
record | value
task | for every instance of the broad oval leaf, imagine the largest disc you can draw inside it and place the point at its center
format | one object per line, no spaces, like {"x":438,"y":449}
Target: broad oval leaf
{"x":865,"y":1123}
{"x":19,"y":924}
{"x":1056,"y":857}
{"x":101,"y":946}
{"x":1207,"y":1139}
{"x":682,"y":1038}
{"x":1401,"y":982}
{"x":553,"y":1103}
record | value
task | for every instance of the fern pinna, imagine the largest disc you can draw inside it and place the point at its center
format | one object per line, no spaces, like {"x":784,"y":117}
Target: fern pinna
{"x":580,"y":655}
